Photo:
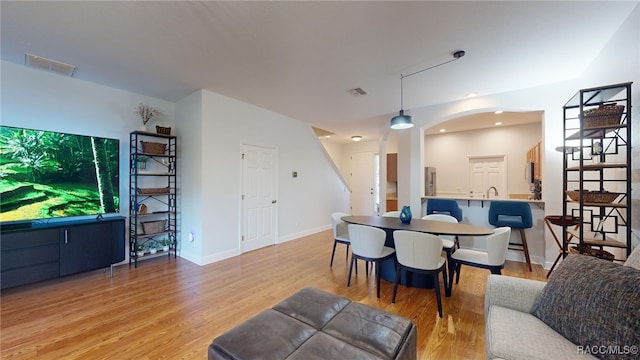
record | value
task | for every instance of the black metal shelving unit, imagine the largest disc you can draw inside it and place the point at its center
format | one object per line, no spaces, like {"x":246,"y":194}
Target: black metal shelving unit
{"x":152,"y":196}
{"x":597,"y":158}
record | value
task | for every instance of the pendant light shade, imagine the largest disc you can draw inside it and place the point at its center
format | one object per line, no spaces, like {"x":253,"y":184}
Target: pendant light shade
{"x":401,"y":121}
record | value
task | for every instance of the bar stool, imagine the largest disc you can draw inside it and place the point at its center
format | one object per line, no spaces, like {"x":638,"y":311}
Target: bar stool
{"x":560,"y":221}
{"x":444,"y":206}
{"x":516,"y":215}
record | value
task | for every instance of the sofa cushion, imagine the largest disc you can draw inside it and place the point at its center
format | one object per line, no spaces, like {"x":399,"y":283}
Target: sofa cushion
{"x":512,"y":334}
{"x":593,"y":303}
{"x":322,"y":346}
{"x":268,"y":335}
{"x":370,"y":329}
{"x":634,"y":258}
{"x":312,"y":306}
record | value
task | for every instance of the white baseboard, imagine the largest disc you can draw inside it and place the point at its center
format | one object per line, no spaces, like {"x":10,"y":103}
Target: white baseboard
{"x":298,"y":235}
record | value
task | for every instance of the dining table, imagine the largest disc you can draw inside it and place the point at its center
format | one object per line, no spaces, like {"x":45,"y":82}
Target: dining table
{"x":391,"y":224}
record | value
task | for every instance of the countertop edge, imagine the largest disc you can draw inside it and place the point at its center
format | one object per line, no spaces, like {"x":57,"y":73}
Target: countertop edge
{"x":467,"y":198}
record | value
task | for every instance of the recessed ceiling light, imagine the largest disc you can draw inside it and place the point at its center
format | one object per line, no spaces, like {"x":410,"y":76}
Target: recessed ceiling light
{"x":498,"y":112}
{"x":356,"y":138}
{"x":499,"y":123}
{"x":327,"y":136}
{"x":443,"y":130}
{"x":470,"y":95}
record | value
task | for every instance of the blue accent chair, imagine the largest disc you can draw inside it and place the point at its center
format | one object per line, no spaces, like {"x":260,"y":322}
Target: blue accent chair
{"x":444,"y":206}
{"x":516,"y":215}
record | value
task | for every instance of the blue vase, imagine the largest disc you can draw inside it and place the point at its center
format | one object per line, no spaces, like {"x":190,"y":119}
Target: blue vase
{"x":405,"y":214}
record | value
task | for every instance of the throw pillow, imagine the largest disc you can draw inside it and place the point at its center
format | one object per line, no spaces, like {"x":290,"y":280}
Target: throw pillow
{"x":595,"y":304}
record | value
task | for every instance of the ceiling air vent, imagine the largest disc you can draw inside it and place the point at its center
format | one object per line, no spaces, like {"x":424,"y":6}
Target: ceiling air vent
{"x":57,"y":67}
{"x":357,"y":91}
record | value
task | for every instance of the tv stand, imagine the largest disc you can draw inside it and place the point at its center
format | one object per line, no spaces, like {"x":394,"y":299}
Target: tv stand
{"x":47,"y":251}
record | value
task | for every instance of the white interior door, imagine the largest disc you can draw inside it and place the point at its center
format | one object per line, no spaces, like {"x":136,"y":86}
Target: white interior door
{"x":485,"y":172}
{"x":362,"y":166}
{"x":258,"y":197}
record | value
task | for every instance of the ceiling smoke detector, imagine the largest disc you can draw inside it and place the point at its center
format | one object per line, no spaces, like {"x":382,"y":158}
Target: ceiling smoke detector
{"x":41,"y":63}
{"x":357,"y":91}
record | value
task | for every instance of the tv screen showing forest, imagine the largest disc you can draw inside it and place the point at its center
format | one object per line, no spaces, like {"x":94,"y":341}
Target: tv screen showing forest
{"x":45,"y":174}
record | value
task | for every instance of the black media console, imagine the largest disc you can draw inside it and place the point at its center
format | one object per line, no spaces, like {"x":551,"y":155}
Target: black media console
{"x":51,"y":250}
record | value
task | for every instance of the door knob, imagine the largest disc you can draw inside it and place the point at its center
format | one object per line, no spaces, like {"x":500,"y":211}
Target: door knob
{"x":274,"y":201}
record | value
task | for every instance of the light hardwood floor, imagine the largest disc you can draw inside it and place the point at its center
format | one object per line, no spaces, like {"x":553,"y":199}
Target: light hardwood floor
{"x":172,"y":309}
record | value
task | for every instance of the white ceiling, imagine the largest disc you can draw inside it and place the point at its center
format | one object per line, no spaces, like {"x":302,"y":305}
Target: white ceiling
{"x":300,"y":58}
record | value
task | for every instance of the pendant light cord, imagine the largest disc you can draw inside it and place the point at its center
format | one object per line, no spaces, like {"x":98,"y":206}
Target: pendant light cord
{"x":429,"y":68}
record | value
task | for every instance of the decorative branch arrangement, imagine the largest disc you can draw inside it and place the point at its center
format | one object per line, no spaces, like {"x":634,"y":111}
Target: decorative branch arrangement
{"x":146,"y":112}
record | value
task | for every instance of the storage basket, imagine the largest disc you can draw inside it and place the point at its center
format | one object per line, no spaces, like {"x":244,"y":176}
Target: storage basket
{"x":143,"y":191}
{"x":603,"y":197}
{"x":605,"y":115}
{"x":153,"y":147}
{"x":588,"y":250}
{"x":153,"y":227}
{"x":163,"y":130}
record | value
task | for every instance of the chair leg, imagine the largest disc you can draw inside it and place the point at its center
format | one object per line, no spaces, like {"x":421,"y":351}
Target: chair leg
{"x":447,"y":293}
{"x":525,"y":248}
{"x":366,"y":268}
{"x":436,"y":285}
{"x":458,"y":267}
{"x":333,"y":253}
{"x":495,"y":270}
{"x":346,"y":254}
{"x":395,"y":284}
{"x":356,"y":266}
{"x":377,"y":262}
{"x":353,"y":259}
{"x":450,"y":267}
{"x":451,"y":273}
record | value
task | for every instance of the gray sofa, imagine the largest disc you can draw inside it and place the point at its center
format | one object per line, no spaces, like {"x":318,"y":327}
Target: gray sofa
{"x":314,"y":324}
{"x":586,"y":301}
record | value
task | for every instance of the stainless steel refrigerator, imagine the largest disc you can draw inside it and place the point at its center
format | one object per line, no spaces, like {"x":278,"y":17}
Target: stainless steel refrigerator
{"x":429,"y":181}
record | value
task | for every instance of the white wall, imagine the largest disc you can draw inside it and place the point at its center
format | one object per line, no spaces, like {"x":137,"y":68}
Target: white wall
{"x":41,"y":100}
{"x":450,"y":152}
{"x":304,"y":203}
{"x":618,"y":62}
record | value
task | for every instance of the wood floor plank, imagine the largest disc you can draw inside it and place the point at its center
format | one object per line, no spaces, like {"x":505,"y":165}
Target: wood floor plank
{"x":172,"y":309}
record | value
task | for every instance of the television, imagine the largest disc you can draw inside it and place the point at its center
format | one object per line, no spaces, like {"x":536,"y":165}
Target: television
{"x":48,"y":175}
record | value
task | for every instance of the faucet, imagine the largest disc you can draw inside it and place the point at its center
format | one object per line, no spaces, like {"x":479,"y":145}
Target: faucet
{"x":494,"y":189}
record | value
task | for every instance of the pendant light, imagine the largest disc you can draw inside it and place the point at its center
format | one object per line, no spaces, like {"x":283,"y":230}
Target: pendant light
{"x":402,"y":121}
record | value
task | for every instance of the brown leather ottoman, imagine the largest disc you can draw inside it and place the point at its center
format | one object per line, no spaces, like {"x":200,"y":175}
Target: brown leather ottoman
{"x":313,"y":324}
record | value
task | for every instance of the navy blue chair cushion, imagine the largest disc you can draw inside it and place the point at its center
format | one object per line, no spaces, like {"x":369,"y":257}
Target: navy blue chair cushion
{"x":514,"y":214}
{"x":442,"y":206}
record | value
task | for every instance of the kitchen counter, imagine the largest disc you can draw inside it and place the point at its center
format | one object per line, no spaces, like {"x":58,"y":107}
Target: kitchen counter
{"x":475,"y":211}
{"x":469,"y":198}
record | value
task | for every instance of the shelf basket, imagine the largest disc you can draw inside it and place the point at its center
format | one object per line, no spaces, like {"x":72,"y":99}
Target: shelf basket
{"x":602,"y":197}
{"x":153,"y":227}
{"x":150,"y":191}
{"x":153,"y":147}
{"x":588,"y":250}
{"x":162,"y":130}
{"x":605,"y":115}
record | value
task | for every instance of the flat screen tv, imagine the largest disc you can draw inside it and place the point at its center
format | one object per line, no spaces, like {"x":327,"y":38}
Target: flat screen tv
{"x":47,"y":175}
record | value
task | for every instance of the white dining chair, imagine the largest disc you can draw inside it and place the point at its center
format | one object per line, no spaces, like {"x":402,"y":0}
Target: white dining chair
{"x":367,"y":243}
{"x":449,"y":242}
{"x":394,"y":214}
{"x":493,"y":258}
{"x":420,"y":253}
{"x":340,"y":234}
